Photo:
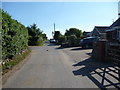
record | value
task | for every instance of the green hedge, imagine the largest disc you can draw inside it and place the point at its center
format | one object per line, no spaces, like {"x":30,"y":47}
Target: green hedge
{"x":17,"y":59}
{"x":14,"y":37}
{"x":0,"y":34}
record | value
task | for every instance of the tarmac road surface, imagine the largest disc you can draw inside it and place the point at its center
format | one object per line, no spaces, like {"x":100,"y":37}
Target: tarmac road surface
{"x":52,"y":67}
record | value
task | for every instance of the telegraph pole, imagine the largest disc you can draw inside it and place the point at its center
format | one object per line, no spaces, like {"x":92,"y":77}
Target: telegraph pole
{"x":54,"y":28}
{"x":53,"y":31}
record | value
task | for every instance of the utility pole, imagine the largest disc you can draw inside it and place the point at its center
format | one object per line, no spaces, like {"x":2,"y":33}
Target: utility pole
{"x":53,"y":31}
{"x":52,"y":34}
{"x":54,"y":28}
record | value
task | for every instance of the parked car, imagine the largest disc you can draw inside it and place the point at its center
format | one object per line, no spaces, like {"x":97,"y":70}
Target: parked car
{"x":52,"y":41}
{"x":87,"y":42}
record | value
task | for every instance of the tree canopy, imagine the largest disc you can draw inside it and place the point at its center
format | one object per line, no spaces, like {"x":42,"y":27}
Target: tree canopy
{"x":73,"y":31}
{"x":36,"y":36}
{"x":57,"y":35}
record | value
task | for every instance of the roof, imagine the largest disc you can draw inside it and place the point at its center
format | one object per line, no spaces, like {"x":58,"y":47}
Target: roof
{"x":101,"y":29}
{"x":116,"y":23}
{"x":85,"y":33}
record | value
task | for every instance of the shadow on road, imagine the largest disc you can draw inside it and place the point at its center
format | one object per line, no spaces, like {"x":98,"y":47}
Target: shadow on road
{"x":63,"y":47}
{"x":75,"y":49}
{"x":90,"y":54}
{"x":51,"y":44}
{"x":99,"y":73}
{"x":59,"y":48}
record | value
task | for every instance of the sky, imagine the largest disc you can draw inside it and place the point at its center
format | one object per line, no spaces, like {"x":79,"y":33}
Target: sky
{"x":82,"y":15}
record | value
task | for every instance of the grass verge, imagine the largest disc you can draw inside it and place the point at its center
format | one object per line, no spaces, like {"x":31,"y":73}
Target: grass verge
{"x":8,"y":65}
{"x":42,"y":44}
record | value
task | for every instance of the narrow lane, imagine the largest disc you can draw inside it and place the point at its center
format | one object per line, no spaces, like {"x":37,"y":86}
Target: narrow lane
{"x":53,"y":67}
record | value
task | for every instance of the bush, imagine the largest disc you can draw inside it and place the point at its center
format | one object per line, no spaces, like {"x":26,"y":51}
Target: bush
{"x":62,"y":39}
{"x":72,"y":40}
{"x":14,"y":37}
{"x":73,"y":36}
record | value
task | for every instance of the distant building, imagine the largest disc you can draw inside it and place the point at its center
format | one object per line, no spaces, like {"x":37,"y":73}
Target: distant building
{"x":86,"y":34}
{"x":100,"y":32}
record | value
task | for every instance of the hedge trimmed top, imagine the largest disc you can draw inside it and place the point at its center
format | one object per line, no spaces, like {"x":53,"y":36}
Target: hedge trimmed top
{"x":14,"y":36}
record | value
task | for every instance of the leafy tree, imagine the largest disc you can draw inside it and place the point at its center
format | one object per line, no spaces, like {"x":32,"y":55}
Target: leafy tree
{"x":72,"y":40}
{"x":57,"y":35}
{"x":62,"y":39}
{"x":73,"y":35}
{"x":44,"y":36}
{"x":73,"y":31}
{"x":36,"y":36}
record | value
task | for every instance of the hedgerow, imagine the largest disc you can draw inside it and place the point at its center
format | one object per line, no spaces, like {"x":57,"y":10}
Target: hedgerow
{"x":14,"y":37}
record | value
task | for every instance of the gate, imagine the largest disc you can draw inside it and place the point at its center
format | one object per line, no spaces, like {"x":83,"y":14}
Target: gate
{"x":113,"y":54}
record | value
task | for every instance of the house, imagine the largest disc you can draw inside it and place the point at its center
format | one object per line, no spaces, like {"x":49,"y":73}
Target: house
{"x":113,"y":32}
{"x":113,"y":43}
{"x":100,"y":32}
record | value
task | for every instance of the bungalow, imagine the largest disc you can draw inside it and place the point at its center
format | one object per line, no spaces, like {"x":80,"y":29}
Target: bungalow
{"x":113,"y":44}
{"x":113,"y":33}
{"x":100,"y":32}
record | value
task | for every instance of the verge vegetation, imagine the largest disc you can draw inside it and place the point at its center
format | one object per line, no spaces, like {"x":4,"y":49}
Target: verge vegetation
{"x":15,"y":39}
{"x":70,"y":38}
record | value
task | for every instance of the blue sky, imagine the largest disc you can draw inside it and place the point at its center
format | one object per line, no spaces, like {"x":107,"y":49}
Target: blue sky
{"x":82,"y":15}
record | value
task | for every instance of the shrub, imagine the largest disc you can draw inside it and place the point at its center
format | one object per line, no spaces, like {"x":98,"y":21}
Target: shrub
{"x":62,"y":39}
{"x":72,"y":40}
{"x":14,"y":37}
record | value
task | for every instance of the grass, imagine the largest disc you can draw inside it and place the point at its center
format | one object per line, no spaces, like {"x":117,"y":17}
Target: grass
{"x":41,"y":44}
{"x":10,"y":64}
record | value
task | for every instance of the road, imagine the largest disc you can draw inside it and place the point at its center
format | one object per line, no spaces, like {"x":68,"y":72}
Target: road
{"x":52,"y":67}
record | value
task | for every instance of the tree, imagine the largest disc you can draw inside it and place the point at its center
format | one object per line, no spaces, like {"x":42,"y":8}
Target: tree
{"x":35,"y":35}
{"x":72,"y":40}
{"x":44,"y":36}
{"x":73,"y":31}
{"x":62,"y":39}
{"x":57,"y":35}
{"x":73,"y":35}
